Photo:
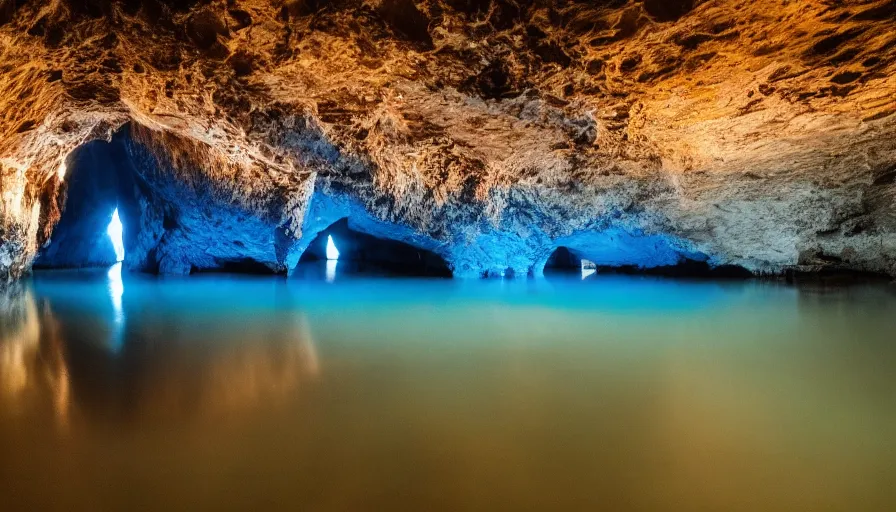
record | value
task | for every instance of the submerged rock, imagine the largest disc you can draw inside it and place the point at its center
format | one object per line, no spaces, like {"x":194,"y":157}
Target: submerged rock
{"x":489,"y":134}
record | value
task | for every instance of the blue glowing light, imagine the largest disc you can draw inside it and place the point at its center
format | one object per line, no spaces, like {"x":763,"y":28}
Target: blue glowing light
{"x":115,"y":231}
{"x":332,"y":251}
{"x":116,"y":291}
{"x":331,"y":270}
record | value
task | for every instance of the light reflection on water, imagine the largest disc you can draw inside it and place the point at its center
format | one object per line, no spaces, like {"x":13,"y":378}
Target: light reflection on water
{"x":116,"y":291}
{"x":609,"y":393}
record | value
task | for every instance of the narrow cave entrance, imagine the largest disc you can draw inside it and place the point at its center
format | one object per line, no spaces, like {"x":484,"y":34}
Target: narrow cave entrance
{"x":115,"y":231}
{"x":122,"y":201}
{"x":90,"y":232}
{"x":341,"y":250}
{"x":565,"y":261}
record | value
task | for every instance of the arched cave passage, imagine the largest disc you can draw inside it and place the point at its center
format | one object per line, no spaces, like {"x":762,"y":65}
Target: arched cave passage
{"x":562,"y":259}
{"x":347,"y":251}
{"x":623,"y":252}
{"x":565,"y":261}
{"x":169,"y":224}
{"x":91,"y":230}
{"x":649,"y":259}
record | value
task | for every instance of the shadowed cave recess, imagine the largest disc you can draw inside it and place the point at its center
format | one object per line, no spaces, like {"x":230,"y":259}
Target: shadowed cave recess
{"x":176,"y":220}
{"x":173,"y":224}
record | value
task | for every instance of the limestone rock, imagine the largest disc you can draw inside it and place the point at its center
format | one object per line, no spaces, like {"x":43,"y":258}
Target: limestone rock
{"x":488,"y":132}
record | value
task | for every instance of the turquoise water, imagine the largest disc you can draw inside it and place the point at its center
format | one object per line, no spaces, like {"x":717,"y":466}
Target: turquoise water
{"x":611,"y":393}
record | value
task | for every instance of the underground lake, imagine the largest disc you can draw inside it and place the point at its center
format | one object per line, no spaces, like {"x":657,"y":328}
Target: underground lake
{"x":448,"y":255}
{"x":331,"y":392}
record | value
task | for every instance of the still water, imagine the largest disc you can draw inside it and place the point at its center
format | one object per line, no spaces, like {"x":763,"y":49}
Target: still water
{"x":217,"y":392}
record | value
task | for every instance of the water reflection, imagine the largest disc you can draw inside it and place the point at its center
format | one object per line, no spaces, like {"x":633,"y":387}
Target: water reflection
{"x":146,"y":370}
{"x":32,"y":362}
{"x":613,"y":393}
{"x":331,"y":268}
{"x":20,"y":330}
{"x":116,"y":291}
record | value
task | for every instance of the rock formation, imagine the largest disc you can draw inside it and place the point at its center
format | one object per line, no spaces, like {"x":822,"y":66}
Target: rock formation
{"x":490,"y":133}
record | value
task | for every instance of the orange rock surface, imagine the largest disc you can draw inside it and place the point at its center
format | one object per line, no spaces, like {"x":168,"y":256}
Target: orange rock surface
{"x":759,"y":133}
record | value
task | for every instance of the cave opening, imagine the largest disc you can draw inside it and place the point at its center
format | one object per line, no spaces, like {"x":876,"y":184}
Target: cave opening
{"x":342,"y":249}
{"x":119,"y":205}
{"x":91,"y":229}
{"x":572,"y":262}
{"x":332,"y":252}
{"x":115,"y":230}
{"x":565,"y":261}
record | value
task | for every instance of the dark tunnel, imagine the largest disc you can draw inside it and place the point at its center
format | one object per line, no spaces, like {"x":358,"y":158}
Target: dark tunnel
{"x":360,"y":253}
{"x":86,"y":235}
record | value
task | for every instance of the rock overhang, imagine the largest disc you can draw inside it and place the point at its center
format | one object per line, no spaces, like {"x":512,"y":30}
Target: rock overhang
{"x":758,"y":136}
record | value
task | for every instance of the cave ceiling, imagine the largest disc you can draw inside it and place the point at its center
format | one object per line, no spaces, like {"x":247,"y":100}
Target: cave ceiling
{"x":758,"y":133}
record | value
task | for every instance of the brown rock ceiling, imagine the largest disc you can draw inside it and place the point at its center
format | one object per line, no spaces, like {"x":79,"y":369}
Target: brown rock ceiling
{"x":760,"y":133}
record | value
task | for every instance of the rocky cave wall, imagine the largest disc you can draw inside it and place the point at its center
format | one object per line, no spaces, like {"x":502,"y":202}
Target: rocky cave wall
{"x":757,"y":134}
{"x":180,"y":221}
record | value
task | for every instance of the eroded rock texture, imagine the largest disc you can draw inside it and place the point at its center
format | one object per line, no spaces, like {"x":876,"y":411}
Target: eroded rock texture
{"x":643,"y":133}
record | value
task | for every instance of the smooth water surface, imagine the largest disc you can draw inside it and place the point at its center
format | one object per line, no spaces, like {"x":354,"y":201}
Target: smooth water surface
{"x":216,"y":392}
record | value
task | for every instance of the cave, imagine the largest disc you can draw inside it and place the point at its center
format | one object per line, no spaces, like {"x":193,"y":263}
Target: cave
{"x":121,"y":202}
{"x":494,"y":158}
{"x":564,"y":261}
{"x":90,"y":231}
{"x":476,"y":229}
{"x":684,"y":269}
{"x":348,"y":251}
